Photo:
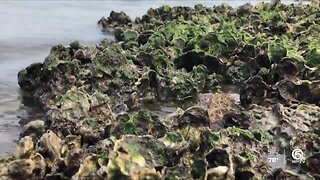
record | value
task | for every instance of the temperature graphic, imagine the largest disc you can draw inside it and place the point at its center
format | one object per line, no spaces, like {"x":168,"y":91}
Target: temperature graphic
{"x":276,"y":160}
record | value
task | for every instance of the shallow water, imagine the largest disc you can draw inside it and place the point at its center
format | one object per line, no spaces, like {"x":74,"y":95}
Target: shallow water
{"x":30,"y":28}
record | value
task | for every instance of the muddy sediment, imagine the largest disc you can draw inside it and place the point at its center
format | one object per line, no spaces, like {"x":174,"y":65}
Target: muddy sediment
{"x":182,"y":93}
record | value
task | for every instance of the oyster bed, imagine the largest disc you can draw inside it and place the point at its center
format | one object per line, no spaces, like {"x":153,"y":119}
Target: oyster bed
{"x":149,"y":104}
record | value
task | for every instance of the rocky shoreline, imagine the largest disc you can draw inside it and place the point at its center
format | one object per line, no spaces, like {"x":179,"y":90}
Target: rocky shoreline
{"x":149,"y":105}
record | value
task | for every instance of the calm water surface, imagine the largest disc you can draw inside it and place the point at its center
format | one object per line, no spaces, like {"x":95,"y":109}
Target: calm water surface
{"x":30,"y":28}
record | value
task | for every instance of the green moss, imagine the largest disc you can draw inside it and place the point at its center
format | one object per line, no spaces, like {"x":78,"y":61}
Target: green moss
{"x":175,"y":137}
{"x":130,"y":35}
{"x":157,"y":40}
{"x":75,"y":45}
{"x":111,"y":58}
{"x":98,"y":98}
{"x":91,"y":122}
{"x":172,"y":177}
{"x":250,"y":156}
{"x":161,"y":63}
{"x":313,"y":57}
{"x":213,"y":139}
{"x":264,"y":137}
{"x":127,"y":73}
{"x":164,"y":9}
{"x":139,"y":123}
{"x":75,"y":99}
{"x":198,"y":169}
{"x":133,"y":149}
{"x":57,"y":54}
{"x":241,"y":132}
{"x":276,"y":51}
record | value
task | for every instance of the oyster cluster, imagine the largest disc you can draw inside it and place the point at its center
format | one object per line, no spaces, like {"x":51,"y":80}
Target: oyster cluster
{"x":148,"y":105}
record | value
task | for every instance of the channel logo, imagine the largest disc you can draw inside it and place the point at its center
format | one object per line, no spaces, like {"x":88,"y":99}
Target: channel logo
{"x":298,"y":156}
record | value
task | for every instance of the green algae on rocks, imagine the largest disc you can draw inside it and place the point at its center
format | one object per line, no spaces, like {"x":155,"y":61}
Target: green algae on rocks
{"x":148,"y":106}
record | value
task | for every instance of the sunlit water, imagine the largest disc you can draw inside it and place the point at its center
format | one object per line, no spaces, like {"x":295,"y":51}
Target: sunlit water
{"x":28,"y":30}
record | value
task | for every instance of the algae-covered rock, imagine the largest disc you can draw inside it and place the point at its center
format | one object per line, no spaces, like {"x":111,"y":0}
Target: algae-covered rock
{"x":58,"y":54}
{"x":137,"y":157}
{"x":302,"y":118}
{"x":255,"y":90}
{"x":181,"y":85}
{"x":87,"y":115}
{"x":156,"y":102}
{"x":111,"y":57}
{"x":34,"y":128}
{"x":126,"y":35}
{"x":139,"y":123}
{"x":50,"y":143}
{"x":24,"y":147}
{"x":199,"y":168}
{"x":73,"y":160}
{"x":115,"y":19}
{"x":70,"y":142}
{"x":312,"y":163}
{"x":218,"y":106}
{"x":144,"y":36}
{"x":284,"y":174}
{"x":307,"y":142}
{"x":85,"y":55}
{"x":193,"y":116}
{"x":28,"y":78}
{"x":313,"y":57}
{"x":217,"y":173}
{"x":40,"y":165}
{"x":301,"y":90}
{"x":276,"y":52}
{"x":218,"y":157}
{"x":76,"y":45}
{"x":88,"y":169}
{"x":191,"y":59}
{"x":21,"y":168}
{"x":287,"y":68}
{"x":75,"y":103}
{"x":240,"y":120}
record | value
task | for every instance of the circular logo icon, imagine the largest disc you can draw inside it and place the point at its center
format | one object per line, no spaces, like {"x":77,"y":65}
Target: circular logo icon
{"x":297,"y":154}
